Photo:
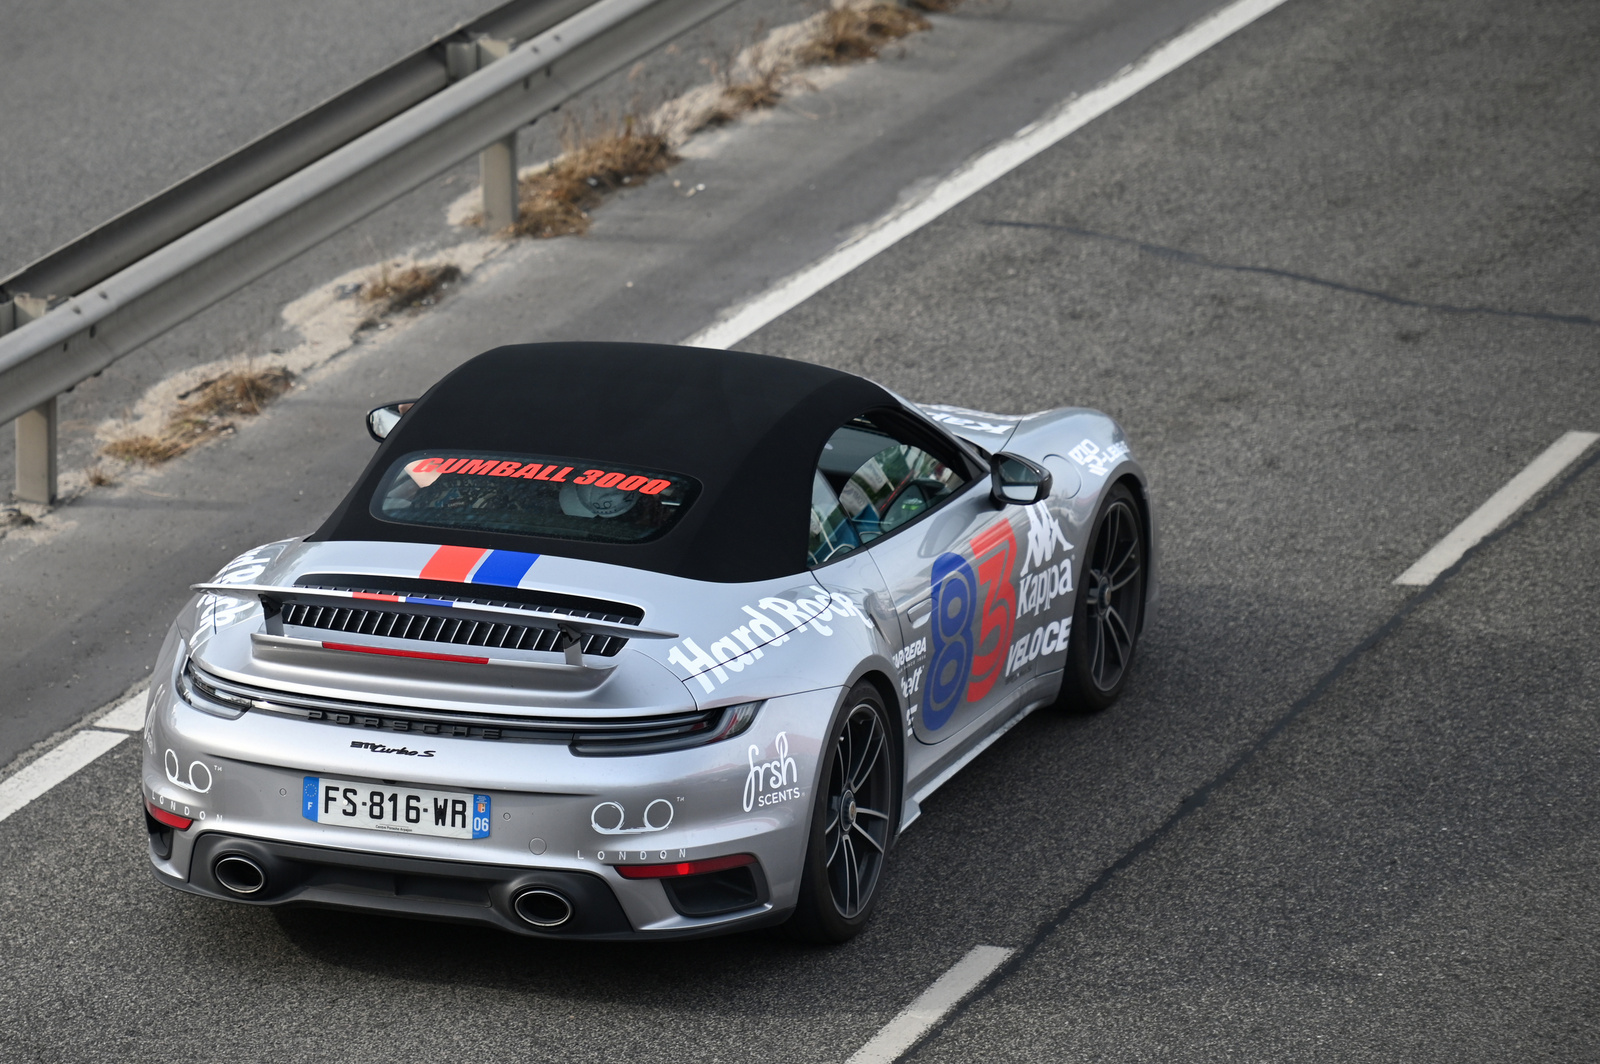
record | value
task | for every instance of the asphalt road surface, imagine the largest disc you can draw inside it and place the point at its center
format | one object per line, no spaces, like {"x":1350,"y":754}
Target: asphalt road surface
{"x":111,"y":103}
{"x":1335,"y":277}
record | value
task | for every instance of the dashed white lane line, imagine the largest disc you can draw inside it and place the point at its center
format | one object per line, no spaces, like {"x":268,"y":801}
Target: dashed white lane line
{"x":1498,"y":510}
{"x":128,"y":714}
{"x":978,"y":173}
{"x":75,"y":752}
{"x":55,"y":765}
{"x":945,"y":994}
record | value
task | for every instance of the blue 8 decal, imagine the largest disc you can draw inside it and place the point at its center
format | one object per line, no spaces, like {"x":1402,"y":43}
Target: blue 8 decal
{"x":955,"y":588}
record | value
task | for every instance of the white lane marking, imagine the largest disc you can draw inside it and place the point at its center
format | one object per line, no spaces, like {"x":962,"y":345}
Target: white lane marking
{"x":977,"y":174}
{"x":1498,"y":510}
{"x":945,"y":994}
{"x":128,"y":715}
{"x":55,"y":765}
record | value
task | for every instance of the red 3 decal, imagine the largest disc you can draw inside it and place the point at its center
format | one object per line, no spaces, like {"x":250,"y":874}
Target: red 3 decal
{"x":995,"y":550}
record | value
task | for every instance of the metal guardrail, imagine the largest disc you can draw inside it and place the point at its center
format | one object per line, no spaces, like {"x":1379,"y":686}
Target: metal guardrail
{"x":168,"y":259}
{"x":200,"y":197}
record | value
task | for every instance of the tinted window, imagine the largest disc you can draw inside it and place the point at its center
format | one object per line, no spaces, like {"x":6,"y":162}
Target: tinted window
{"x":831,"y":531}
{"x":875,"y":483}
{"x":535,"y":495}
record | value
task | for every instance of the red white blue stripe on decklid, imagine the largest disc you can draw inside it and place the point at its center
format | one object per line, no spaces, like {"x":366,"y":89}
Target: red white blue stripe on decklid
{"x":468,"y":565}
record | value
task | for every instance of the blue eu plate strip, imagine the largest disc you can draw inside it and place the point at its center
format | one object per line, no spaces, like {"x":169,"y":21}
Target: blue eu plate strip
{"x":308,"y":797}
{"x":481,"y":811}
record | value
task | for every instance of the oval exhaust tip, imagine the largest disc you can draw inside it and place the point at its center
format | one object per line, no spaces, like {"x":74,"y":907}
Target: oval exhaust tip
{"x":239,"y":874}
{"x":542,"y":908}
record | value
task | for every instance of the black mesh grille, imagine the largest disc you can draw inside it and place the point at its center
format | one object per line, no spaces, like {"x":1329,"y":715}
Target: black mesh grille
{"x":398,"y":623}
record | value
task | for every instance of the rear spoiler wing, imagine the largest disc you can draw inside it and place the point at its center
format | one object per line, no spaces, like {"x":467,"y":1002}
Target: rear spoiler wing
{"x":573,"y":629}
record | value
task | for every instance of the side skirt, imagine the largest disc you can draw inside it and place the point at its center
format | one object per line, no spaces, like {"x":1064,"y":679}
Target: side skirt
{"x":1030,"y":699}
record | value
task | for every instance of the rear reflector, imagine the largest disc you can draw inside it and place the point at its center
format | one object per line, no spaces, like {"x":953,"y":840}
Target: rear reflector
{"x":389,"y":652}
{"x":685,"y":868}
{"x":172,"y":820}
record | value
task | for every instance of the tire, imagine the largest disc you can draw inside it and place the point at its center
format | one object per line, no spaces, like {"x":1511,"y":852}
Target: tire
{"x":1109,"y":608}
{"x":853,"y":818}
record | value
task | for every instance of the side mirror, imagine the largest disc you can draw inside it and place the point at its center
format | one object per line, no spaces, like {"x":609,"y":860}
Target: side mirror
{"x":1016,"y":481}
{"x":382,"y":420}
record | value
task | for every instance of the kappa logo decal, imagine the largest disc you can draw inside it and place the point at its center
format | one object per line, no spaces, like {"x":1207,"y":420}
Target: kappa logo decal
{"x":1043,"y":579}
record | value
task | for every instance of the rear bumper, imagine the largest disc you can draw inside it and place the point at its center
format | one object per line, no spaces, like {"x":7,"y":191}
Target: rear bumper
{"x":571,"y":819}
{"x":297,"y":875}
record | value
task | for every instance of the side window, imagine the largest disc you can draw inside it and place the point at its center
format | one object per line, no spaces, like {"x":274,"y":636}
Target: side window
{"x":873,"y":482}
{"x":831,"y":532}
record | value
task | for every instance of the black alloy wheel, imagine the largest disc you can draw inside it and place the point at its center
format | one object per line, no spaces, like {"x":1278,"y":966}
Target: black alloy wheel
{"x":1110,"y":605}
{"x":853,"y":822}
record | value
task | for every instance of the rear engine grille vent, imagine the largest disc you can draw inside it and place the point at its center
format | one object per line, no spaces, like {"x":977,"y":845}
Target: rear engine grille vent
{"x":398,"y":623}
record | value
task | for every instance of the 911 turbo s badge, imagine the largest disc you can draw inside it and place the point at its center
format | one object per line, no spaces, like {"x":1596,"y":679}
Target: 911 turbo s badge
{"x":379,"y":748}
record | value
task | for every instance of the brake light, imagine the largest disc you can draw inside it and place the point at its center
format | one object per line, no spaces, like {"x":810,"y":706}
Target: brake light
{"x":685,"y":868}
{"x":172,"y":820}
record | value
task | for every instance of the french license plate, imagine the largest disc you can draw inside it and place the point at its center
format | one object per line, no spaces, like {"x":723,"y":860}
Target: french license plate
{"x":411,"y":810}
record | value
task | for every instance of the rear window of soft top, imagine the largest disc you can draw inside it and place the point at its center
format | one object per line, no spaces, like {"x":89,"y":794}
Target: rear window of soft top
{"x":533,"y":495}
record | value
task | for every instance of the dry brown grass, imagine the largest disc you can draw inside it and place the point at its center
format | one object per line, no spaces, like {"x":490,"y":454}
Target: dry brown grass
{"x":100,"y":477}
{"x":197,"y":419}
{"x":753,"y":85}
{"x":594,"y":161}
{"x":414,"y":286}
{"x":937,"y":7}
{"x":849,"y":34}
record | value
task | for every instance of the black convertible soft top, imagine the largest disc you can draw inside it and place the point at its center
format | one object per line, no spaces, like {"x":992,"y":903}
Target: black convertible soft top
{"x":748,"y":427}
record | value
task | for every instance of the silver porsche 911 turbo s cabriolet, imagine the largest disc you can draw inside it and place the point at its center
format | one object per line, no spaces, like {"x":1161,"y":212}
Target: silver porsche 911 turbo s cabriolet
{"x":628,"y":641}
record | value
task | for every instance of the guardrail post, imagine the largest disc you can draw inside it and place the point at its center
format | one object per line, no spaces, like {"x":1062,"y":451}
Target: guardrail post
{"x":36,"y":428}
{"x":497,"y":164}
